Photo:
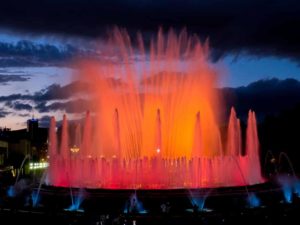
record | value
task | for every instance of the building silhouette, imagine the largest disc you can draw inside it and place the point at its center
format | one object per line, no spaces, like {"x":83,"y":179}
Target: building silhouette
{"x":16,"y":144}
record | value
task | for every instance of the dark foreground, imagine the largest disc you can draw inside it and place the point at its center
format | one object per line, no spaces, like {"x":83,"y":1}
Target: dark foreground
{"x":283,"y":214}
{"x":106,"y":207}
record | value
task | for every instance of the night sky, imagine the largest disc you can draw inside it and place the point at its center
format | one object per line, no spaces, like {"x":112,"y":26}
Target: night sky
{"x":250,"y":40}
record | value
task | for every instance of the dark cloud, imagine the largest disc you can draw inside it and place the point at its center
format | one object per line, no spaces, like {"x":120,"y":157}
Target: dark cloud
{"x":58,"y":92}
{"x":55,"y":91}
{"x":29,"y":49}
{"x":17,"y":62}
{"x":52,"y":92}
{"x":24,"y":115}
{"x":5,"y":79}
{"x":15,"y":97}
{"x":254,"y":26}
{"x":75,"y":106}
{"x":28,"y":53}
{"x":41,"y":107}
{"x":17,"y":105}
{"x":44,"y":121}
{"x":3,"y":113}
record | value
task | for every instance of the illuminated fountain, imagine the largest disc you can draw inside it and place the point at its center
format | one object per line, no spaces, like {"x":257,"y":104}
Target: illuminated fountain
{"x":153,"y":123}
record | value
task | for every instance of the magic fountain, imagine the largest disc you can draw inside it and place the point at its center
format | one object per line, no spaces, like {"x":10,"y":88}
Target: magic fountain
{"x":153,"y":122}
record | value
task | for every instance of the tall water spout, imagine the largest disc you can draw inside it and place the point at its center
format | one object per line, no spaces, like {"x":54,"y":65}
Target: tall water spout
{"x":77,"y":140}
{"x":197,"y":148}
{"x":158,"y":141}
{"x":64,"y":159}
{"x":234,"y":143}
{"x":252,"y":149}
{"x":117,"y":135}
{"x":64,"y":146}
{"x":87,"y":137}
{"x":52,"y":148}
{"x":52,"y":145}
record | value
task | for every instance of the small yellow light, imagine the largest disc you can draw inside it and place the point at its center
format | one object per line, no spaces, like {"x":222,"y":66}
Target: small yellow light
{"x":74,"y":149}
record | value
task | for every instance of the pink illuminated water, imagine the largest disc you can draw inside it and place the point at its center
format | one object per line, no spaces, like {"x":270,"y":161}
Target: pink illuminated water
{"x":154,"y":123}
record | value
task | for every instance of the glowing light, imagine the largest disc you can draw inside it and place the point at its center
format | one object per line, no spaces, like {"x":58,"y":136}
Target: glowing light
{"x":76,"y":202}
{"x":297,"y":187}
{"x":38,"y":165}
{"x":288,"y":194}
{"x":158,"y":151}
{"x":35,"y":198}
{"x":11,"y":191}
{"x":74,"y":149}
{"x":253,"y":200}
{"x":287,"y":184}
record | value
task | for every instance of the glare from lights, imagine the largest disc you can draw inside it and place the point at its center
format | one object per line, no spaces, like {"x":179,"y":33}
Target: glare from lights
{"x":74,"y":149}
{"x":38,"y":165}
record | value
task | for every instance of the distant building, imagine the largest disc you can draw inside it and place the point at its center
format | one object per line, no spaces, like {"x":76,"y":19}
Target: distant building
{"x":3,"y":152}
{"x":33,"y":129}
{"x":3,"y":146}
{"x":16,"y":144}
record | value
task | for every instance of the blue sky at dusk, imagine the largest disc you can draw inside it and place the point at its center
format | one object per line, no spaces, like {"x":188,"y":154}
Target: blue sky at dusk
{"x":249,"y":42}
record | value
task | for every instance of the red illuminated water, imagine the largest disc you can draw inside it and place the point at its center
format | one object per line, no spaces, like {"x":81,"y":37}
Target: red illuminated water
{"x":154,"y":122}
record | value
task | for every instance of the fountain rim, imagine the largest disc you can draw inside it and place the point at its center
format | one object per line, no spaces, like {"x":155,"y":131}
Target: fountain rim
{"x":264,"y":186}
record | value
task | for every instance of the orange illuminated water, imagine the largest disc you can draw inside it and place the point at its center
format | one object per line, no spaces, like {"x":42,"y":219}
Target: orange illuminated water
{"x":154,"y":121}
